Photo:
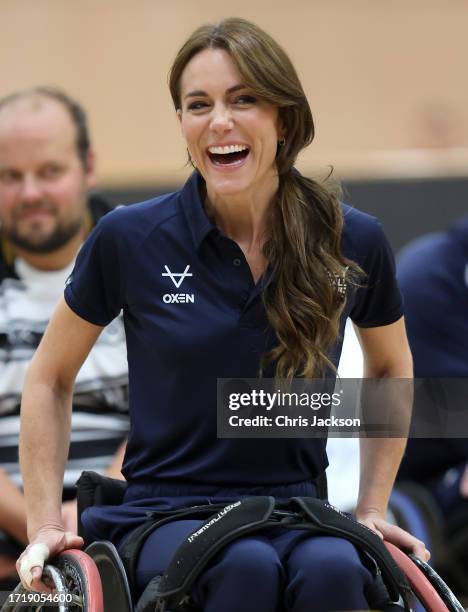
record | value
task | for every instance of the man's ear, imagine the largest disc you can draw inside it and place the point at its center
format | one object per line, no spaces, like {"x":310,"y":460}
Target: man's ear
{"x":90,"y":169}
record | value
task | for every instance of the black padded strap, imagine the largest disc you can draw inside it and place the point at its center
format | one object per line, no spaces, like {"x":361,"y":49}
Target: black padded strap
{"x":130,"y":548}
{"x":328,"y":519}
{"x":226,"y":523}
{"x":233,"y":521}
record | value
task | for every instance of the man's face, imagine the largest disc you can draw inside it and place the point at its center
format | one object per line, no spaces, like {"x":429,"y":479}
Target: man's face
{"x":43,"y":183}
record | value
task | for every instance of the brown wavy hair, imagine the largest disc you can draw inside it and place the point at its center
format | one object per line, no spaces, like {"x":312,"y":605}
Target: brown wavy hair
{"x":303,"y":300}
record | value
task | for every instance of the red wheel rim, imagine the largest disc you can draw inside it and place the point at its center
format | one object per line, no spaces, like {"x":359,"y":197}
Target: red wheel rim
{"x":421,"y":586}
{"x":94,"y":594}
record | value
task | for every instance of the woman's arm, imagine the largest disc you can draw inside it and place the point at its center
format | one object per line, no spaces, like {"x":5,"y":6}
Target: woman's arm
{"x":386,"y":355}
{"x":45,"y":432}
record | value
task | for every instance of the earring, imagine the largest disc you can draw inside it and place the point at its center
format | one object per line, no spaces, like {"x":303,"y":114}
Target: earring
{"x":191,"y":161}
{"x":282,"y":141}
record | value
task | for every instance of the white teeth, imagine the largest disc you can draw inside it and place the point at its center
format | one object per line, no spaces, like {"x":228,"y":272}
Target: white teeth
{"x":228,"y":149}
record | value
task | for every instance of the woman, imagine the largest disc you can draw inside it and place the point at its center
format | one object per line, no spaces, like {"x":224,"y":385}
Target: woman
{"x":235,"y":274}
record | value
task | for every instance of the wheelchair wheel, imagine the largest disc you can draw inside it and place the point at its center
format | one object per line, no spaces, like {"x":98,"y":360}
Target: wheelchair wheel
{"x":422,"y":586}
{"x":446,"y":594}
{"x":82,"y":581}
{"x":115,"y":587}
{"x":76,"y":583}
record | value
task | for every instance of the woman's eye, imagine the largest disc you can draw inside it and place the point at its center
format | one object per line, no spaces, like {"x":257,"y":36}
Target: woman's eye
{"x":197,"y":105}
{"x":245,"y":99}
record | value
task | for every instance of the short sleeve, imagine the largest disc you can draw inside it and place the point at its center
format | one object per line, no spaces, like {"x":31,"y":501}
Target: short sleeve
{"x":378,"y":300}
{"x":95,"y":288}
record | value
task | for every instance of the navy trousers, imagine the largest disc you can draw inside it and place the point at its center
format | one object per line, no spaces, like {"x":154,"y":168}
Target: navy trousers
{"x":273,"y":571}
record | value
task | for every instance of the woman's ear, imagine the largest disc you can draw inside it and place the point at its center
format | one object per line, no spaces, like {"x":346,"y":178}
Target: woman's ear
{"x":280,"y":128}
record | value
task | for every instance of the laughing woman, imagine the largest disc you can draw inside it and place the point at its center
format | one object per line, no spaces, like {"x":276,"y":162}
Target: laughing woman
{"x":255,"y":246}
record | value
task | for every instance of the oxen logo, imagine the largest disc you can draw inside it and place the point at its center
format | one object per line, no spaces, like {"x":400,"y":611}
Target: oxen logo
{"x":178,"y":278}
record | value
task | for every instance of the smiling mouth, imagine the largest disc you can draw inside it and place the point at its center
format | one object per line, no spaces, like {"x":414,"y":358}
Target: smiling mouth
{"x":34,"y":213}
{"x":228,"y":156}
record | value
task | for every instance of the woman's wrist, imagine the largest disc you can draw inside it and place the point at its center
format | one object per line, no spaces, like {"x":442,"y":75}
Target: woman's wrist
{"x":370,"y":512}
{"x":36,"y":528}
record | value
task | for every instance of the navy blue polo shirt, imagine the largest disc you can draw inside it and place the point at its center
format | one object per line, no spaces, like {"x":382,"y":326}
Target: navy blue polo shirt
{"x":193,"y":314}
{"x":433,"y":273}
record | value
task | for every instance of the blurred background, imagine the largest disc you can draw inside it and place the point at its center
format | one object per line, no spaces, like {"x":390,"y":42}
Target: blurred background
{"x":386,"y":82}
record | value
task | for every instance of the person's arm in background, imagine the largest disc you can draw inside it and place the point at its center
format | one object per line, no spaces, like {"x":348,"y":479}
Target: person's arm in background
{"x":386,"y":355}
{"x":12,"y":509}
{"x":115,"y":468}
{"x":45,"y":435}
{"x":12,"y":520}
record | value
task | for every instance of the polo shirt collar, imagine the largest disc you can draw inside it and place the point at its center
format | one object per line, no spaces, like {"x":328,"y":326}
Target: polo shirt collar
{"x":199,"y":224}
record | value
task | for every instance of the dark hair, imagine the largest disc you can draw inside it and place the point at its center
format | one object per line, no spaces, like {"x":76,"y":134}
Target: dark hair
{"x":76,"y":111}
{"x":304,"y":300}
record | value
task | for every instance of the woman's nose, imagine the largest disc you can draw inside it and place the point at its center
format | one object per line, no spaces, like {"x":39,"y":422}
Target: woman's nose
{"x":221,"y":120}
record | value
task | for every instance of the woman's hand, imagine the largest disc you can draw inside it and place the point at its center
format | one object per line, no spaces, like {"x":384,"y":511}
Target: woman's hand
{"x":48,"y":542}
{"x":395,"y":535}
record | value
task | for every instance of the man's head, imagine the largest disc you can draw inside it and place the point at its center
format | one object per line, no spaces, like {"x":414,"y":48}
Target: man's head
{"x":46,"y":170}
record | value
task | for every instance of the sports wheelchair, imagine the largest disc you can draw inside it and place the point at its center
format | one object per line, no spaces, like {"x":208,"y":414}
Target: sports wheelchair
{"x":96,"y":579}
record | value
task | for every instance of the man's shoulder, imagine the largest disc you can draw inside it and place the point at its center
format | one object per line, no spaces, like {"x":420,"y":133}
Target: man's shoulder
{"x":434,"y":267}
{"x":428,"y":245}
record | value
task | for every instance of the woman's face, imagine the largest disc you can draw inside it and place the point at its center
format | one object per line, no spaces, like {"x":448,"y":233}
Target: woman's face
{"x":231,"y":135}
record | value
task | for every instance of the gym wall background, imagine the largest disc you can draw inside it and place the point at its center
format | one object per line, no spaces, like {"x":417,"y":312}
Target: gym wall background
{"x":386,"y":82}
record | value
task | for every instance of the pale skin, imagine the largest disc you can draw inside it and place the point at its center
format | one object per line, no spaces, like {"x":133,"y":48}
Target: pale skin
{"x":216,"y":110}
{"x":46,"y":414}
{"x":386,"y":355}
{"x":58,"y":516}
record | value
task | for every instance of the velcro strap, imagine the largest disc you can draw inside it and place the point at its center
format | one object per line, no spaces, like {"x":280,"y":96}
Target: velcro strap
{"x":192,"y":556}
{"x":329,"y":519}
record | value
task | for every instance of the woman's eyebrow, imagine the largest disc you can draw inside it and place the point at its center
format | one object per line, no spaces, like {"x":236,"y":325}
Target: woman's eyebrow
{"x":200,"y":92}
